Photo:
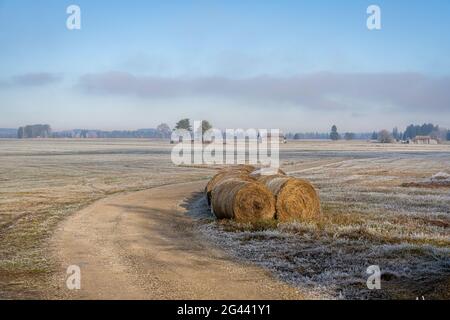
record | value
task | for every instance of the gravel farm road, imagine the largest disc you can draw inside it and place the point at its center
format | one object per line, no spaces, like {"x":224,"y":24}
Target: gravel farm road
{"x":143,"y":245}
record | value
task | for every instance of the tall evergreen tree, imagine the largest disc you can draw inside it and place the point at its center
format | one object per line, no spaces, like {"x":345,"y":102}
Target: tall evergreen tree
{"x":334,"y":135}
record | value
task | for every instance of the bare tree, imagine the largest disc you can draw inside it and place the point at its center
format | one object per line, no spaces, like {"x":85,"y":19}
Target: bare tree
{"x":164,"y":130}
{"x":385,"y":136}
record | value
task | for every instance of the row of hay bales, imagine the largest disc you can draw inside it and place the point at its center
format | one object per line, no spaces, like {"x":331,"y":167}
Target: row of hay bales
{"x":246,"y":194}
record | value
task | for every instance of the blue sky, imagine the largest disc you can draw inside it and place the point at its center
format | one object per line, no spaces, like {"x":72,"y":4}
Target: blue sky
{"x":293,"y":65}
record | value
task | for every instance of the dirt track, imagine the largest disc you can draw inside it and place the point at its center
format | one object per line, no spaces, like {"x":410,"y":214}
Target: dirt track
{"x":142,"y":245}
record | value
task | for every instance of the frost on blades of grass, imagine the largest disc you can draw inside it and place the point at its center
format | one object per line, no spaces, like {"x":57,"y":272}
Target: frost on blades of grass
{"x":368,"y":219}
{"x":328,"y":267}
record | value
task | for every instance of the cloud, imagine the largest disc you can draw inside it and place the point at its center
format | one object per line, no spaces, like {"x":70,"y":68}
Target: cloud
{"x":36,"y":79}
{"x":401,"y":91}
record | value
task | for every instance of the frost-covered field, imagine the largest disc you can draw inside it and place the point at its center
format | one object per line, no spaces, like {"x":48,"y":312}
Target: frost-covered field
{"x":369,"y":218}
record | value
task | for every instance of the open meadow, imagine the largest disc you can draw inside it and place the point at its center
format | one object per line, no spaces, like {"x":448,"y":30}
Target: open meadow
{"x":379,"y":204}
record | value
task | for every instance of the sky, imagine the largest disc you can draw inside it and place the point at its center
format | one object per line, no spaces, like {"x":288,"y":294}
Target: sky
{"x":292,"y":65}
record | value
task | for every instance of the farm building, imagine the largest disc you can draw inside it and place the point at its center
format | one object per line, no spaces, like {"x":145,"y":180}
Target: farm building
{"x":424,"y":140}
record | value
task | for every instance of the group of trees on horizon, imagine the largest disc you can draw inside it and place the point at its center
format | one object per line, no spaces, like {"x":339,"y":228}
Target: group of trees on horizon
{"x":34,"y":131}
{"x":411,"y":132}
{"x":186,"y":125}
{"x":427,"y":129}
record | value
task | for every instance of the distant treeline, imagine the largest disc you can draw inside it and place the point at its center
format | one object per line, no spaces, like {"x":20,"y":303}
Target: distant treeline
{"x":141,"y":133}
{"x":411,"y":131}
{"x":44,"y":131}
{"x":8,"y":133}
{"x":163,"y":131}
{"x":326,"y":136}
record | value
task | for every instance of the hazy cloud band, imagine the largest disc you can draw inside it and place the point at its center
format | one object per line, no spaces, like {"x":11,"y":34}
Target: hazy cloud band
{"x":406,"y":91}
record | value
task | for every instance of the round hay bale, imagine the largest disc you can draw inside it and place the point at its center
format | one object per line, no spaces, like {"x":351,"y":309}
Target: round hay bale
{"x":242,"y":201}
{"x":225,"y":175}
{"x":295,"y":198}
